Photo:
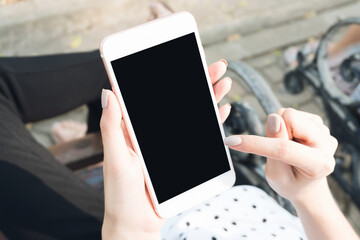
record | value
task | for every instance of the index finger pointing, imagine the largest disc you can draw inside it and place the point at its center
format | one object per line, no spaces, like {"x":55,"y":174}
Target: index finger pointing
{"x":309,"y":160}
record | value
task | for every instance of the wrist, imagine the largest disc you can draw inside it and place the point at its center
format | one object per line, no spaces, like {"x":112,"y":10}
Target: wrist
{"x":321,"y":217}
{"x":315,"y":196}
{"x":112,"y":230}
{"x":130,"y":235}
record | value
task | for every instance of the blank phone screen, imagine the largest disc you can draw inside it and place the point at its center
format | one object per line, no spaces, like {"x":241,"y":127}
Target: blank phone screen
{"x":170,"y":108}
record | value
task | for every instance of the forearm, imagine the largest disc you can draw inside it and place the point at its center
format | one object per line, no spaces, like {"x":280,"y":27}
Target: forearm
{"x":322,"y":218}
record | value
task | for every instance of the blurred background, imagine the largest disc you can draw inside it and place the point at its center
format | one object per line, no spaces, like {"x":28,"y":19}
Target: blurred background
{"x":264,"y":34}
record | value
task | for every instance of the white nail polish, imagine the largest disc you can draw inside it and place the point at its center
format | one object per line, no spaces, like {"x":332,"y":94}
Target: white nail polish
{"x":232,"y":141}
{"x":104,"y":99}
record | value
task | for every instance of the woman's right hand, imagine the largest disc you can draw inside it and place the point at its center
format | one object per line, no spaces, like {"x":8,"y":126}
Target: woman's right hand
{"x":299,"y":151}
{"x":300,"y":154}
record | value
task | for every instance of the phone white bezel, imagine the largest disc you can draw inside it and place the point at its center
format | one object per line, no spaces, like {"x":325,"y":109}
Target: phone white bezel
{"x":131,"y":41}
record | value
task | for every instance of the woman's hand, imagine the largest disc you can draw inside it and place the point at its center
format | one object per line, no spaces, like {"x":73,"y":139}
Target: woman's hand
{"x":299,"y":151}
{"x":128,"y":210}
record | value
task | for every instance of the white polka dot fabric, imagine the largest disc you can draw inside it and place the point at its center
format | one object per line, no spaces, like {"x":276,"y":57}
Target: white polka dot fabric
{"x":243,"y":212}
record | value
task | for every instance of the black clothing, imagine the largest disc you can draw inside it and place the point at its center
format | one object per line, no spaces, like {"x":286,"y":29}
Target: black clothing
{"x":39,"y":197}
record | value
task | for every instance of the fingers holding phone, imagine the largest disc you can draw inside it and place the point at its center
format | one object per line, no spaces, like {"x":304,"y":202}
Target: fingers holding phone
{"x":128,"y":209}
{"x":221,"y":86}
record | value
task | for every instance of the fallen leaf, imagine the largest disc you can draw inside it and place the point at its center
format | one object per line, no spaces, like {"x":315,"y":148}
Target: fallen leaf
{"x":28,"y":126}
{"x":312,"y":39}
{"x":76,"y":42}
{"x":278,"y":53}
{"x":310,"y":14}
{"x":236,"y":97}
{"x":243,"y":4}
{"x":233,"y":37}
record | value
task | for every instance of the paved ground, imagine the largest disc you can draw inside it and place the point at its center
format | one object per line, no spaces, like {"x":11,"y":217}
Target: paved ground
{"x":256,"y":32}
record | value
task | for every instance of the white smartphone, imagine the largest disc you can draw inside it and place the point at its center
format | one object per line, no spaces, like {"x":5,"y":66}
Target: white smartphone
{"x":159,"y":74}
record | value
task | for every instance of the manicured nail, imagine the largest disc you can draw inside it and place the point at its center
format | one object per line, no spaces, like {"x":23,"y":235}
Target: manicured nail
{"x":232,"y":141}
{"x":228,"y":105}
{"x":229,"y":79}
{"x":273,"y":123}
{"x":224,"y":61}
{"x":104,"y":99}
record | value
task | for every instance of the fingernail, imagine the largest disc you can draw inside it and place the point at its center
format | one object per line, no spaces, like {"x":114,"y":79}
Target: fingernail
{"x":224,"y":61}
{"x":227,"y":79}
{"x":230,"y":80}
{"x":104,"y":99}
{"x":273,"y":123}
{"x":232,"y":141}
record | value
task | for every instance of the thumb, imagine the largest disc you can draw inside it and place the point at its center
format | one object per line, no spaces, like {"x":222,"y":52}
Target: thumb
{"x":276,"y":128}
{"x":116,"y":153}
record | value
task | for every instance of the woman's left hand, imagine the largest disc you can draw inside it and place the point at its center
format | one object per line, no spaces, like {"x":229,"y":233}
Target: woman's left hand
{"x":128,"y":209}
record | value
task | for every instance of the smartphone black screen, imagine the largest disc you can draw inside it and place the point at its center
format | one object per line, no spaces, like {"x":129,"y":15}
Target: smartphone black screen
{"x":169,"y":104}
